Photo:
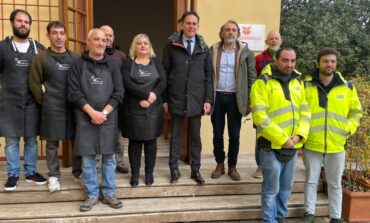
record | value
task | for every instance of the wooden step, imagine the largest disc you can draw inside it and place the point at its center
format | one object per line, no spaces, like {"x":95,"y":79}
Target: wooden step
{"x":165,"y":209}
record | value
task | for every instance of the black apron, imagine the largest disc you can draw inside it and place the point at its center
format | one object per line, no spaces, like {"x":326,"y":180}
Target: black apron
{"x":97,"y":86}
{"x":19,"y":112}
{"x":57,"y":115}
{"x":142,"y":123}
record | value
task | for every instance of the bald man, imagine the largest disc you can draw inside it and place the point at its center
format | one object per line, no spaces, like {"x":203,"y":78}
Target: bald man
{"x":119,"y":57}
{"x":95,"y":90}
{"x":273,"y":42}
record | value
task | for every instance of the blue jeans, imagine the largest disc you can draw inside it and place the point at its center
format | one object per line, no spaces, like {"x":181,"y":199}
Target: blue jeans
{"x":226,"y":104}
{"x":334,"y":166}
{"x":13,"y":164}
{"x":90,"y":177}
{"x":276,"y":186}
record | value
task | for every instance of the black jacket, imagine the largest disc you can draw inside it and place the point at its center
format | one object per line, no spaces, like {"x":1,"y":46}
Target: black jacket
{"x":142,"y":123}
{"x":189,"y":77}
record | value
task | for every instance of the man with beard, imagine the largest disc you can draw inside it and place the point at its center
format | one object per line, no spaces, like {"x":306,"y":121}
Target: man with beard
{"x":19,"y":112}
{"x":273,"y":41}
{"x":187,"y":62}
{"x":50,"y":69}
{"x":119,"y":57}
{"x":234,"y":66}
{"x":336,"y":113}
{"x":95,"y":89}
{"x":282,"y":116}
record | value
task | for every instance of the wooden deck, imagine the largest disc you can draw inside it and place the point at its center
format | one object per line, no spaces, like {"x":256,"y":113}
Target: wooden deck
{"x":219,"y":200}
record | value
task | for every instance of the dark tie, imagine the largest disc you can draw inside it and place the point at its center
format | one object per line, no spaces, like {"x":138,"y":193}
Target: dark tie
{"x":188,"y":48}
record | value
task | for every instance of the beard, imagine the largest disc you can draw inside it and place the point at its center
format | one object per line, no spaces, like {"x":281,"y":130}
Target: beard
{"x":230,"y":41}
{"x":326,"y":72}
{"x":274,"y":48}
{"x":20,"y":34}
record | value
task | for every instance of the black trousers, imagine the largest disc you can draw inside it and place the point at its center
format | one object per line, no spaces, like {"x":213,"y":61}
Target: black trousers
{"x":195,"y":143}
{"x":134,"y":154}
{"x":52,"y":160}
{"x":226,"y":104}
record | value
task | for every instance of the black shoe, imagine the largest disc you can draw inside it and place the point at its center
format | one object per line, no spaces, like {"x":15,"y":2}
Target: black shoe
{"x":36,"y":178}
{"x":149,"y":179}
{"x":195,"y":175}
{"x":134,"y":180}
{"x":335,"y":220}
{"x":175,"y":175}
{"x":11,"y":183}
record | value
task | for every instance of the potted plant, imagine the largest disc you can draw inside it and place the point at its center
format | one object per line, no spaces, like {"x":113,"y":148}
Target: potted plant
{"x":356,"y":178}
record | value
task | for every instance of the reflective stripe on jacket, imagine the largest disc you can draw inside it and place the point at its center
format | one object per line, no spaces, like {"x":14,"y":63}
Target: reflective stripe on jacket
{"x":280,"y":110}
{"x":335,"y":115}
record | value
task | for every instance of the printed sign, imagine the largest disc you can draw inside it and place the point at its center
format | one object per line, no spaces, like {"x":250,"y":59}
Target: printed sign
{"x":254,"y":35}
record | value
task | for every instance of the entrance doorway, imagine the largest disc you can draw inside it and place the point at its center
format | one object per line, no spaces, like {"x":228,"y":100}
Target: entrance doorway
{"x":129,"y":18}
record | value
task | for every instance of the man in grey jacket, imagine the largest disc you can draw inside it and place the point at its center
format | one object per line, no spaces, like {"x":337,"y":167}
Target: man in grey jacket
{"x":234,"y":73}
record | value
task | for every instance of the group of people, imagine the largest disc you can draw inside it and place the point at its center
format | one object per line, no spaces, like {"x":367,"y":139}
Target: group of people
{"x":93,"y":98}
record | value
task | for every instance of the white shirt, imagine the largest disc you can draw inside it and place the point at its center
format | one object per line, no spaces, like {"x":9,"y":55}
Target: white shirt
{"x":226,"y":81}
{"x":22,"y":47}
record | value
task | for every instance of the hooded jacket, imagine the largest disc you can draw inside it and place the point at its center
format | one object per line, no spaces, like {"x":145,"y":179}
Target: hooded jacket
{"x":336,"y":114}
{"x":279,"y":108}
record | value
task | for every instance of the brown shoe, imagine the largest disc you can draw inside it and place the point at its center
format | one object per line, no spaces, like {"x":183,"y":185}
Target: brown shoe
{"x":233,"y":173}
{"x":219,"y":171}
{"x":112,"y":201}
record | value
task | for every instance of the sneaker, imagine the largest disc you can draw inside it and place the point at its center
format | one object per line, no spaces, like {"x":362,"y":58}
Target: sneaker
{"x":112,"y":201}
{"x":53,"y":184}
{"x":88,"y":203}
{"x":79,"y":179}
{"x":335,"y":220}
{"x":36,"y":178}
{"x":11,"y":183}
{"x":258,"y":173}
{"x":308,"y":218}
{"x":122,"y":168}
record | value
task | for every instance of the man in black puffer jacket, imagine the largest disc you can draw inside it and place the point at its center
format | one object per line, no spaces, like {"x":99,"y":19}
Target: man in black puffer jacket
{"x":187,"y":62}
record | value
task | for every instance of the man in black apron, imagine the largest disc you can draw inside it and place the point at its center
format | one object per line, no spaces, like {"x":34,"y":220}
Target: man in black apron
{"x":19,"y":113}
{"x":119,"y":57}
{"x":50,"y":68}
{"x":95,"y":89}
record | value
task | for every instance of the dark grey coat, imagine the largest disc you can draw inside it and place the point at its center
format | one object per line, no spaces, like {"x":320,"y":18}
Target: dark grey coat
{"x":189,"y":77}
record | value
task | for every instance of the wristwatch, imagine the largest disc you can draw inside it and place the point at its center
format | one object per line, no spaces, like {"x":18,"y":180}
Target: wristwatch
{"x":105,"y":112}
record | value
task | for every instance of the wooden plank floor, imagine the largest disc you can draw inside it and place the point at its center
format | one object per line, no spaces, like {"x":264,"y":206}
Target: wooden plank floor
{"x":219,"y":200}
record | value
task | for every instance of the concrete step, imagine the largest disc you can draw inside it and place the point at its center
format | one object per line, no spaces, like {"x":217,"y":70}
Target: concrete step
{"x":165,"y":209}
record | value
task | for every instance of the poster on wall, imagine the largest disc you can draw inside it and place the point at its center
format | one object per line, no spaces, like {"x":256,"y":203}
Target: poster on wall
{"x":254,"y":35}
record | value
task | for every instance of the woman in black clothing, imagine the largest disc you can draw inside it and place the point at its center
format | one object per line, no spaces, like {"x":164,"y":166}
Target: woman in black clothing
{"x":144,"y":81}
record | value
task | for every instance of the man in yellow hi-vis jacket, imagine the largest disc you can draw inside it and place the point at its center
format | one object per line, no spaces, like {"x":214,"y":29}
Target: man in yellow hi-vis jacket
{"x":282,"y":116}
{"x":336,"y":113}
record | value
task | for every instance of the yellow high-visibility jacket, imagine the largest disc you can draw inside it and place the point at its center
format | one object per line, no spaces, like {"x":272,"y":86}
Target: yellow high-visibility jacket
{"x":335,"y":115}
{"x":280,"y":109}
